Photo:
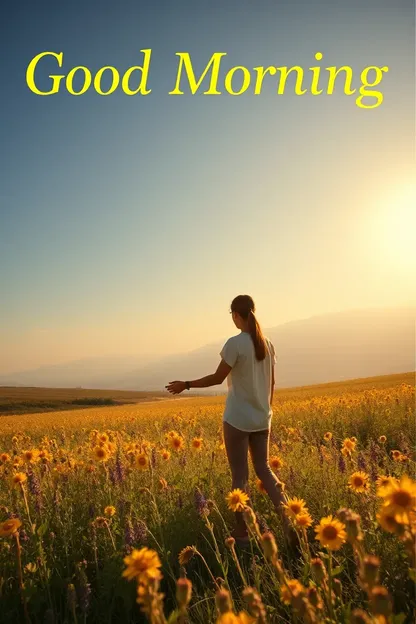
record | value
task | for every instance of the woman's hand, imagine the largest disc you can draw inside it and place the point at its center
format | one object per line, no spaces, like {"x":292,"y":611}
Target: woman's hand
{"x":176,"y":387}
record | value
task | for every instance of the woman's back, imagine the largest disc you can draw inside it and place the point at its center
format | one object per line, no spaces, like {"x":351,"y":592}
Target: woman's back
{"x":249,"y":384}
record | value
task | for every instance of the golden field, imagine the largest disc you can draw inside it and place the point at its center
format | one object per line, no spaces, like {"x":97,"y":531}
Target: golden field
{"x":104,"y":506}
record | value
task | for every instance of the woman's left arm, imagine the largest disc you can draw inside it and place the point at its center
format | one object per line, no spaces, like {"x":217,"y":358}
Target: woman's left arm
{"x":216,"y":379}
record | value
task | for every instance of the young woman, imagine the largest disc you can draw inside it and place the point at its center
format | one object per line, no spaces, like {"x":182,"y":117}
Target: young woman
{"x":248,"y":361}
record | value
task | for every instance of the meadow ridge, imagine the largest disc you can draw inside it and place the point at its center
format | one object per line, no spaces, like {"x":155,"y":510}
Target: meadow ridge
{"x":106,"y":505}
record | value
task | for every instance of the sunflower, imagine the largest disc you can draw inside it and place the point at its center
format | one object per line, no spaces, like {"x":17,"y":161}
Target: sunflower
{"x":328,"y":436}
{"x":163,"y":484}
{"x":303,"y":520}
{"x":349,"y":444}
{"x":9,"y":527}
{"x":143,"y":564}
{"x":276,"y":463}
{"x":292,"y":587}
{"x":197,"y":444}
{"x":395,"y":455}
{"x":176,"y":442}
{"x":142,"y":461}
{"x":387,"y":521}
{"x":331,"y":533}
{"x":31,"y":456}
{"x":382,"y":483}
{"x":100,"y":453}
{"x":400,"y":499}
{"x":358,"y":482}
{"x":382,"y":439}
{"x":186,"y":555}
{"x":237,"y":500}
{"x":165,"y":454}
{"x":109,"y":511}
{"x":231,"y":618}
{"x":294,"y":507}
{"x":18,"y":478}
{"x":4,"y":458}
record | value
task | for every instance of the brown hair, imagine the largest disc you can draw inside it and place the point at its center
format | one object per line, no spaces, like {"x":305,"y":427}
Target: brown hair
{"x":244,"y":306}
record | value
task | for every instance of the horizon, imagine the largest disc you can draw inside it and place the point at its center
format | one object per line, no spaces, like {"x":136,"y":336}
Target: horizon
{"x":155,"y":358}
{"x":128,"y":222}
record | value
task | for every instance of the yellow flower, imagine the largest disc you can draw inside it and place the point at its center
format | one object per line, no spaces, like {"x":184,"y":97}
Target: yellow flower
{"x":294,"y":507}
{"x":9,"y":527}
{"x":30,"y":456}
{"x":387,"y":521}
{"x":400,"y":499}
{"x":303,"y":520}
{"x":18,"y":478}
{"x":142,"y":461}
{"x":4,"y":458}
{"x":186,"y":555}
{"x":382,"y":439}
{"x":331,"y":533}
{"x":109,"y":511}
{"x":358,"y":482}
{"x":349,"y":444}
{"x":231,"y":618}
{"x":143,"y":564}
{"x":382,"y":483}
{"x":197,"y":444}
{"x":328,"y":436}
{"x":292,"y":588}
{"x":100,"y":453}
{"x":176,"y":442}
{"x":165,"y":454}
{"x":276,"y":463}
{"x":237,"y":500}
{"x":395,"y":455}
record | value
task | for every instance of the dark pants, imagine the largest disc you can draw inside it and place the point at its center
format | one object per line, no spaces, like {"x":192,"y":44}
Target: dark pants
{"x":237,"y":445}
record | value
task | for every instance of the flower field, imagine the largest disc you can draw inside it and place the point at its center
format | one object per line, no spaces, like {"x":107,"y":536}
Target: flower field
{"x":124,"y":514}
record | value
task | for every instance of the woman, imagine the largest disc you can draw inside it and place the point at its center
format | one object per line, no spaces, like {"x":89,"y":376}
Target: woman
{"x":248,"y":361}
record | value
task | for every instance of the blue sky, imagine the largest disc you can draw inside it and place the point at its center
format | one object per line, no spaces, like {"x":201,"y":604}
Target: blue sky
{"x":129,"y":223}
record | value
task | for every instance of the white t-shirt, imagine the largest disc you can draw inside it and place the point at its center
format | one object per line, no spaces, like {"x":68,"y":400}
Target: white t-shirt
{"x":249,"y":384}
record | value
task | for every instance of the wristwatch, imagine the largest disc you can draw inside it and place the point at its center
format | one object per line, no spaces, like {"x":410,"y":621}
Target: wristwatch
{"x":187,"y":385}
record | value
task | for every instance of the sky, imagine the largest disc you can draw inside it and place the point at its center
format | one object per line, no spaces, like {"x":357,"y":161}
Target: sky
{"x":128,"y":224}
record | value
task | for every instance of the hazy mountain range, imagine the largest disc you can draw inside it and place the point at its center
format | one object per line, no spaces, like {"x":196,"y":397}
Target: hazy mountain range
{"x":330,"y":347}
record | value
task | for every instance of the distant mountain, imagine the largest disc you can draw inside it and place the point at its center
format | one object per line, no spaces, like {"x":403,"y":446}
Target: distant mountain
{"x":332,"y":347}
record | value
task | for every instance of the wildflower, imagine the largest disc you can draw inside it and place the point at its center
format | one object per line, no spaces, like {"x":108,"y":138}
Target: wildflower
{"x":109,"y":511}
{"x":143,"y":564}
{"x":341,"y":463}
{"x":400,"y":499}
{"x":18,"y":478}
{"x":200,"y":503}
{"x":358,"y":482}
{"x":223,"y":601}
{"x":382,"y":439}
{"x":370,"y":570}
{"x":100,"y":453}
{"x":176,"y":442}
{"x":303,"y":520}
{"x":359,"y":616}
{"x":10,"y":527}
{"x":349,"y":444}
{"x":142,"y":461}
{"x":4,"y":458}
{"x":30,"y":456}
{"x":269,"y":546}
{"x":100,"y":521}
{"x":328,"y":436}
{"x":382,"y":483}
{"x":237,"y":500}
{"x":230,"y":542}
{"x":318,"y":570}
{"x":165,"y":454}
{"x":331,"y":533}
{"x":197,"y":444}
{"x":183,"y":592}
{"x":292,"y":588}
{"x":380,"y":601}
{"x":294,"y":507}
{"x":387,"y":521}
{"x":163,"y":484}
{"x":186,"y":555}
{"x":276,"y":463}
{"x":395,"y":455}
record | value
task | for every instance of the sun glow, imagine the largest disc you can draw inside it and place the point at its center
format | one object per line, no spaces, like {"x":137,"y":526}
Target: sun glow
{"x":397,"y":221}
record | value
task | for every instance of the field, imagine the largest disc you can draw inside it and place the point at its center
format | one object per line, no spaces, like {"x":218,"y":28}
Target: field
{"x":26,"y":400}
{"x":84,"y":492}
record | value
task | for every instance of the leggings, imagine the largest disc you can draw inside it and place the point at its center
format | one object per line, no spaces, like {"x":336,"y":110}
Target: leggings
{"x":237,"y":445}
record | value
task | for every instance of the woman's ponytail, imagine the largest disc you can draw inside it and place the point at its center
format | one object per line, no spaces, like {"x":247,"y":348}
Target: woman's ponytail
{"x":244,"y":306}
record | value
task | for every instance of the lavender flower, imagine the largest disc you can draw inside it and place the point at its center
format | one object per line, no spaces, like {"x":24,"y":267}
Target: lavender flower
{"x":128,"y":533}
{"x":119,"y":470}
{"x":200,"y":502}
{"x":153,"y":458}
{"x":180,"y":502}
{"x":84,"y":592}
{"x":362,"y":465}
{"x":341,"y":464}
{"x":140,"y":531}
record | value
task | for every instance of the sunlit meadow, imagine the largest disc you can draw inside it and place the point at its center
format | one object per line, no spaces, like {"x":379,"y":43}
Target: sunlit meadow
{"x":124,"y":514}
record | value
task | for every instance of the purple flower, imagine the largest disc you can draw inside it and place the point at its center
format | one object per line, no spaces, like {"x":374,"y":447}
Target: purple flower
{"x":361,"y":462}
{"x":84,"y":592}
{"x":200,"y":502}
{"x":140,"y":531}
{"x":128,"y":533}
{"x":119,"y":470}
{"x":153,"y":458}
{"x":341,"y":464}
{"x":180,"y":502}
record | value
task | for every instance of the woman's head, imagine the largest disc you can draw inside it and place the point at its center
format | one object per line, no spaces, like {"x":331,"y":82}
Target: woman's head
{"x":243,"y":313}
